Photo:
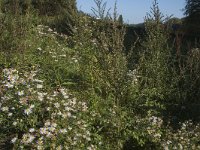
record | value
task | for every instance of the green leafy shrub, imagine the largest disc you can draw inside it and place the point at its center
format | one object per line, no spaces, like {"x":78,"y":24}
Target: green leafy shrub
{"x":153,"y":71}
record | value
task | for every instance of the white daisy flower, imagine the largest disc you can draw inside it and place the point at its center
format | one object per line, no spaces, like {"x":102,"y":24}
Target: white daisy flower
{"x":28,"y":111}
{"x":31,"y":130}
{"x":39,"y":86}
{"x":20,"y":93}
{"x":4,"y":109}
{"x":14,"y":140}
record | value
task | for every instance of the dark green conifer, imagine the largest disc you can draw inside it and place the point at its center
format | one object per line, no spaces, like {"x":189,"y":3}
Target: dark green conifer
{"x":192,"y":20}
{"x":192,"y":7}
{"x":120,"y":19}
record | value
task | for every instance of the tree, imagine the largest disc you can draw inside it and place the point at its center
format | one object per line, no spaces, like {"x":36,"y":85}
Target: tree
{"x":120,"y":19}
{"x":192,"y":7}
{"x":192,"y":20}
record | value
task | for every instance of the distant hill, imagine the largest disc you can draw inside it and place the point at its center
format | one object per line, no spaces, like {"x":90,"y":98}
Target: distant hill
{"x":139,"y":25}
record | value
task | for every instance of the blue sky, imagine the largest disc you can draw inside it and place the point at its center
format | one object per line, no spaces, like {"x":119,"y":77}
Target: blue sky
{"x":134,"y":11}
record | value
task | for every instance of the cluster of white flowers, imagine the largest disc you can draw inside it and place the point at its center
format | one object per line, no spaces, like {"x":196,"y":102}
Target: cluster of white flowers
{"x":151,"y":126}
{"x":46,"y":31}
{"x":29,"y":110}
{"x":43,"y":30}
{"x":27,"y":138}
{"x":62,"y":117}
{"x":12,"y":77}
{"x":49,"y":129}
{"x":156,"y":121}
{"x":195,"y":51}
{"x":133,"y":74}
{"x":186,"y":137}
{"x":56,"y":51}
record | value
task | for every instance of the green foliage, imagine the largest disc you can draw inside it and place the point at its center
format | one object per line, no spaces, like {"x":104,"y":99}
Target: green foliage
{"x":64,"y":19}
{"x":85,"y":91}
{"x":153,"y":66}
{"x":99,"y":44}
{"x":15,"y":30}
{"x":58,"y":14}
{"x":48,"y":7}
{"x":187,"y":78}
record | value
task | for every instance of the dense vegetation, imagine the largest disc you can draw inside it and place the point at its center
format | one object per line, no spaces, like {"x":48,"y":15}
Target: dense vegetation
{"x":70,"y":81}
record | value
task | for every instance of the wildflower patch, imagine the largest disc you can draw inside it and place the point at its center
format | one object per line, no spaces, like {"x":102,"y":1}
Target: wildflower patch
{"x":40,"y":119}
